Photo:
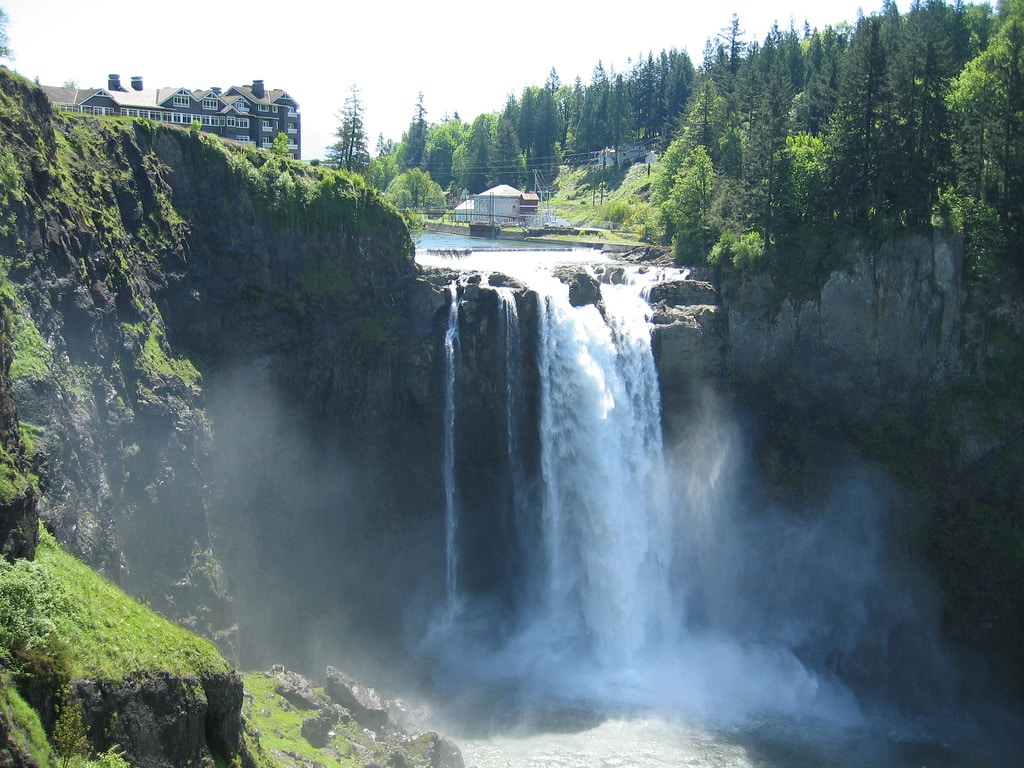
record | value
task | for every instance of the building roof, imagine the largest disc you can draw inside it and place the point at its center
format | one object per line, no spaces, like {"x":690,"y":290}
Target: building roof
{"x":146,"y":98}
{"x":60,"y":95}
{"x":157,"y":97}
{"x":502,"y":190}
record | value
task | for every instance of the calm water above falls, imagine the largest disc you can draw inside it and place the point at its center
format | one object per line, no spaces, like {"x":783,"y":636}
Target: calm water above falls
{"x":671,"y":621}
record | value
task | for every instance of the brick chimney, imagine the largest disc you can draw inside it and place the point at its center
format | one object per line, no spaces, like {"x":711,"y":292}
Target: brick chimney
{"x":114,"y":83}
{"x":257,"y":89}
{"x":136,"y":82}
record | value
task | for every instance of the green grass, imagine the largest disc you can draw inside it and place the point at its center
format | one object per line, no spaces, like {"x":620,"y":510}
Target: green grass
{"x":62,"y":621}
{"x":109,"y":635}
{"x":31,"y":355}
{"x":279,"y":723}
{"x":27,"y":732}
{"x":597,"y":198}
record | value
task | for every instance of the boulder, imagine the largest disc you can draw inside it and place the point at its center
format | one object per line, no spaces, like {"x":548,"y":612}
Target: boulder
{"x":367,"y":706}
{"x":318,"y":730}
{"x":675,"y":293}
{"x":584,"y":288}
{"x":296,"y":689}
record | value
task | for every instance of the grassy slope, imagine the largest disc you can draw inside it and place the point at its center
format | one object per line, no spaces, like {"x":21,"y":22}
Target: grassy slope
{"x":106,"y":634}
{"x":594,"y":197}
{"x":109,"y":634}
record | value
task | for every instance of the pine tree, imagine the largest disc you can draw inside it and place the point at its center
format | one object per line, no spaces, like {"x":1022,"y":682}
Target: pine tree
{"x":415,"y":139}
{"x":350,"y":151}
{"x":507,"y":164}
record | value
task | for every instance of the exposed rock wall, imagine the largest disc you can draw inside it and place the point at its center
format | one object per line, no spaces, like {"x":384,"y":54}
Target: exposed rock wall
{"x":19,"y":520}
{"x":893,"y":321}
{"x":161,"y":721}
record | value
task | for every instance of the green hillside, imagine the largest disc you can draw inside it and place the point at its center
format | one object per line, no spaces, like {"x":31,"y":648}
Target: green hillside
{"x":61,"y":621}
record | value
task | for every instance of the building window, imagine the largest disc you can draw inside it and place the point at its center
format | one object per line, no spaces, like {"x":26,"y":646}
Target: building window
{"x":292,"y":128}
{"x":209,"y":103}
{"x":264,"y":108}
{"x":242,"y":105}
{"x":268,"y":125}
{"x":181,"y":100}
{"x":238,"y":122}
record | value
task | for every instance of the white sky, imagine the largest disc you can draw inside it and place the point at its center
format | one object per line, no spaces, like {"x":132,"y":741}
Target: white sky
{"x":465,"y":57}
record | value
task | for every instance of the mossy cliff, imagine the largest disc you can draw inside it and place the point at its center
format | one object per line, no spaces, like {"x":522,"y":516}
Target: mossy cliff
{"x":179,"y":316}
{"x":142,"y":263}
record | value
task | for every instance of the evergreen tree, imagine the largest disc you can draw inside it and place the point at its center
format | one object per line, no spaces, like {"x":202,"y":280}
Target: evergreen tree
{"x":770,"y":126}
{"x":678,"y":76}
{"x":507,"y":164}
{"x":415,"y":140}
{"x":473,"y":163}
{"x":350,"y":150}
{"x":855,"y":133}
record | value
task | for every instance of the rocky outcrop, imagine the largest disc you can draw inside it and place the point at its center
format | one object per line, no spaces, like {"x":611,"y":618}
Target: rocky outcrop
{"x":689,"y":341}
{"x":392,"y":735}
{"x":160,"y":721}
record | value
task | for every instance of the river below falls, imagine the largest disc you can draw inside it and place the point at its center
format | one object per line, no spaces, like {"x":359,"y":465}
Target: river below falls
{"x":658,"y":743}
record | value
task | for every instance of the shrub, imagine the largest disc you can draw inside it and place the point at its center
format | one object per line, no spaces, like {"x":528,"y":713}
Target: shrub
{"x":741,"y":252}
{"x":29,"y":645}
{"x":68,"y":739}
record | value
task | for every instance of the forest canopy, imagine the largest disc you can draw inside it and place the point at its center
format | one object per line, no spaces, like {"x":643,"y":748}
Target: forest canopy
{"x":907,"y":120}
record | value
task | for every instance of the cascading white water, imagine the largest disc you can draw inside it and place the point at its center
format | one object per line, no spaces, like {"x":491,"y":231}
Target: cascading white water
{"x":597,"y":579}
{"x":513,"y":352}
{"x":451,"y":516}
{"x":603,"y":523}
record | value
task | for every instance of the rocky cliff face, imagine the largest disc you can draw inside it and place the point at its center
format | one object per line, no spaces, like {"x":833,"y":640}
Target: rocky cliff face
{"x":893,"y":321}
{"x":168,"y":302}
{"x":160,"y":721}
{"x":897,"y":360}
{"x":161,"y":304}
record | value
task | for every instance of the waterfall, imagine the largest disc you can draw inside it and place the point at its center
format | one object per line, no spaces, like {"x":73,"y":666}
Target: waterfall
{"x":583,"y":522}
{"x":604,"y":525}
{"x":513,"y":353}
{"x":597,"y":581}
{"x":516,"y":520}
{"x":451,"y":516}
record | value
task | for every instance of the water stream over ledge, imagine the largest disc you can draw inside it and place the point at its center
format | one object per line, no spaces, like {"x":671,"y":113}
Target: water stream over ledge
{"x":668,"y":621}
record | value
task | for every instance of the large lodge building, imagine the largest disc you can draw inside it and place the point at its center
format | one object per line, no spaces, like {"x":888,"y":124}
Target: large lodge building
{"x":247,"y":113}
